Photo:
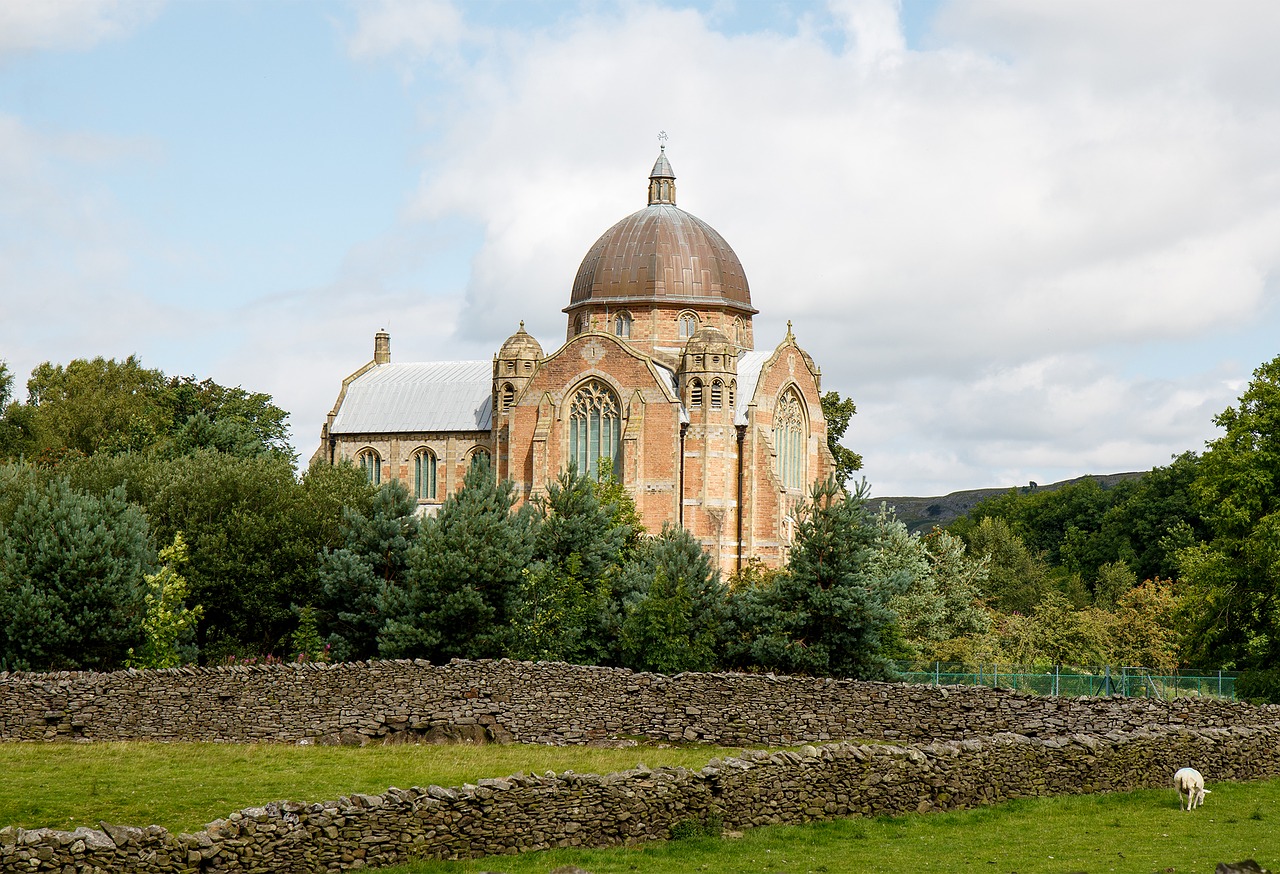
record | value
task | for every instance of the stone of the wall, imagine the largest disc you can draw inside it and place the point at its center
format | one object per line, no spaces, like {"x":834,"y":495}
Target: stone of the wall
{"x":529,"y":812}
{"x":552,"y":703}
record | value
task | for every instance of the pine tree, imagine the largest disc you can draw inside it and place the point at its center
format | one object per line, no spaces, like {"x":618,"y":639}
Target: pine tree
{"x":673,"y":606}
{"x":562,"y":606}
{"x":463,"y":572}
{"x":829,"y":613}
{"x":374,"y":557}
{"x":72,"y":587}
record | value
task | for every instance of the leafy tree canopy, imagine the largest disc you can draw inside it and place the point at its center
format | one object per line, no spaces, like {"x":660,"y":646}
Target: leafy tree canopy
{"x":1234,"y":611}
{"x":103,"y":405}
{"x":838,"y":412}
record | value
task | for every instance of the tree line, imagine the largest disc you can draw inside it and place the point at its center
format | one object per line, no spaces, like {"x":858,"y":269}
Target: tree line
{"x":149,"y":520}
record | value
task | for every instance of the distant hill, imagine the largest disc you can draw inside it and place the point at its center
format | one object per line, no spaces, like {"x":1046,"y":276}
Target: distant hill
{"x":922,"y":514}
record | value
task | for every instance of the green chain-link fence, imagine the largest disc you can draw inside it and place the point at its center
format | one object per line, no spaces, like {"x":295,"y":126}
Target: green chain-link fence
{"x":1075,"y":680}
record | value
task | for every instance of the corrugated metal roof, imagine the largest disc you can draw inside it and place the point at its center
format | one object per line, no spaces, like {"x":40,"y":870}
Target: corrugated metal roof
{"x":749,"y":366}
{"x":426,"y":396}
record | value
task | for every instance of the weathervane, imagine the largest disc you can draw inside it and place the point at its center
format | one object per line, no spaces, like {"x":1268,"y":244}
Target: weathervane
{"x":662,"y":140}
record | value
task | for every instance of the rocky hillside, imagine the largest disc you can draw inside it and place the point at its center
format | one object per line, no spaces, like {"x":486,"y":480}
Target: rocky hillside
{"x":922,"y":514}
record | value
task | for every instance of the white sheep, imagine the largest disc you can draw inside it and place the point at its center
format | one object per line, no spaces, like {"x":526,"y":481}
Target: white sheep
{"x":1190,"y":785}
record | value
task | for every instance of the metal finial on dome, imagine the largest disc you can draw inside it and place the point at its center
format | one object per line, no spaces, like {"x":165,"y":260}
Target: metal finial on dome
{"x":522,"y":326}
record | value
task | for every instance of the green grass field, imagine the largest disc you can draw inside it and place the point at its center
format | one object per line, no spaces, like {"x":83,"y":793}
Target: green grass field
{"x":184,"y":786}
{"x":1136,"y":832}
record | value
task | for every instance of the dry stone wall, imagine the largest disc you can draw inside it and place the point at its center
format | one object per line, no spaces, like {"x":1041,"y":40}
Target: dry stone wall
{"x":551,"y":703}
{"x":527,"y":812}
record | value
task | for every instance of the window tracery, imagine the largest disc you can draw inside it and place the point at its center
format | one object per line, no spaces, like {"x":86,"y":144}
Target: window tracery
{"x":790,"y":430}
{"x":595,"y":429}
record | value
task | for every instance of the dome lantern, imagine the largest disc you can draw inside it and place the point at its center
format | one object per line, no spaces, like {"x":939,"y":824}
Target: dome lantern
{"x":662,"y":181}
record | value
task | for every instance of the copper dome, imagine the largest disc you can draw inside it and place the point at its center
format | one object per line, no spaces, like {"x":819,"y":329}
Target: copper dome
{"x":662,"y":254}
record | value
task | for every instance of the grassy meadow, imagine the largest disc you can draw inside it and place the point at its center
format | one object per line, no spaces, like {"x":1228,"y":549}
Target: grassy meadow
{"x":184,"y":786}
{"x":1134,"y":832}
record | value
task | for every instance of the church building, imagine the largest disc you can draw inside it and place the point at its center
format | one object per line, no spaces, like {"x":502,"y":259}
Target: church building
{"x":658,"y":377}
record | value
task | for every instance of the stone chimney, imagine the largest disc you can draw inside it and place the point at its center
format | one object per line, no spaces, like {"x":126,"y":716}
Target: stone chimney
{"x":382,"y":347}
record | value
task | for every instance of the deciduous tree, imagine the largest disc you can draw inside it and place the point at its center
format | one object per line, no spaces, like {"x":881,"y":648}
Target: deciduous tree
{"x":838,"y":412}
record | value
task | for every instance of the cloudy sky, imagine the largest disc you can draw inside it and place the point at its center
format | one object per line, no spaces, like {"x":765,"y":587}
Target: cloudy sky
{"x":1031,"y":240}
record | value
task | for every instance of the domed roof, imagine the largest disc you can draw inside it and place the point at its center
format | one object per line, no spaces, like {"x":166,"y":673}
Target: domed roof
{"x":662,"y":253}
{"x":520,"y":345}
{"x":707,"y":338}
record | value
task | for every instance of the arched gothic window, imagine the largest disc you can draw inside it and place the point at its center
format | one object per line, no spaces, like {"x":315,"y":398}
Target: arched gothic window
{"x":733,"y":394}
{"x":424,"y":475}
{"x":791,"y":431}
{"x":695,"y":393}
{"x":372,"y":466}
{"x":622,"y":325}
{"x":583,"y":323}
{"x":688,"y":325}
{"x":717,"y":394}
{"x":595,"y":429}
{"x":508,"y":396}
{"x":739,"y":335}
{"x":481,"y":455}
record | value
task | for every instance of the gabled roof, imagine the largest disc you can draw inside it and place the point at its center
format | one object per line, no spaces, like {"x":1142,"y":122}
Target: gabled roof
{"x":749,"y":367}
{"x":426,"y":396}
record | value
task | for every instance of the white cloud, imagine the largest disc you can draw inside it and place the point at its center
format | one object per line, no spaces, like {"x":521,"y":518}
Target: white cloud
{"x":989,"y":239}
{"x":1047,"y":183}
{"x":37,"y":25}
{"x":417,"y":28}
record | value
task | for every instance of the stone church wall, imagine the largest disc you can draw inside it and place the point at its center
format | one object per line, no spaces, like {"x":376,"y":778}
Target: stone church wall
{"x":553,"y":703}
{"x":530,"y":812}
